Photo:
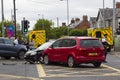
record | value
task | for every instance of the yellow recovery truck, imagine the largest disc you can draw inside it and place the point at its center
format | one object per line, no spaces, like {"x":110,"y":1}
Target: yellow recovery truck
{"x":100,"y":32}
{"x":38,"y":36}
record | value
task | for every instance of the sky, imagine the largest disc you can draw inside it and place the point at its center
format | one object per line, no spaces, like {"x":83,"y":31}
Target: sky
{"x":52,"y":10}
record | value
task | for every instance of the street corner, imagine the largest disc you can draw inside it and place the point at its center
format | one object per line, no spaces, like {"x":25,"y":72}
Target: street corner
{"x":115,"y":52}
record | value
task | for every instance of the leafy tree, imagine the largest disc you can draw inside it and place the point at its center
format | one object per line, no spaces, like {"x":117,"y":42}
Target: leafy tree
{"x":59,"y":32}
{"x":78,"y":32}
{"x":42,"y":24}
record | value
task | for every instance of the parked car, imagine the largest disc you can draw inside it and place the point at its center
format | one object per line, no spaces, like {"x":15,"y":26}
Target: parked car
{"x":35,"y":55}
{"x":74,"y":51}
{"x":8,"y":49}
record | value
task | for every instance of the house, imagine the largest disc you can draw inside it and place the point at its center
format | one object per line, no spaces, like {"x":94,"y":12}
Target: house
{"x":80,"y":24}
{"x":93,"y":22}
{"x":105,"y":17}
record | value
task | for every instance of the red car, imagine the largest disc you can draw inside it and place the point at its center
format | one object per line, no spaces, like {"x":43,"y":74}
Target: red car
{"x":75,"y":50}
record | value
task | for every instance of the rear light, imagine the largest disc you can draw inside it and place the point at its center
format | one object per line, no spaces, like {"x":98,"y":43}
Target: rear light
{"x":81,"y":49}
{"x":102,"y":48}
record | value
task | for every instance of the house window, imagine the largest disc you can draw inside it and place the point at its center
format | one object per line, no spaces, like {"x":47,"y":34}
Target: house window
{"x":107,"y":23}
{"x":119,"y":23}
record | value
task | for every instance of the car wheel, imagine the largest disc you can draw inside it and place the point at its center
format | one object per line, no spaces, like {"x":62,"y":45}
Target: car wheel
{"x":21,"y":54}
{"x":71,"y":62}
{"x":7,"y":57}
{"x":46,"y":59}
{"x":97,"y":64}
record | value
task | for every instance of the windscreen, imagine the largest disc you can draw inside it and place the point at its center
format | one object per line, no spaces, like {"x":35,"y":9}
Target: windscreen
{"x":45,"y":45}
{"x":90,"y":43}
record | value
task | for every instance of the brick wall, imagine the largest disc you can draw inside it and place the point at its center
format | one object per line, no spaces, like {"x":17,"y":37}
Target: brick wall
{"x":117,"y":4}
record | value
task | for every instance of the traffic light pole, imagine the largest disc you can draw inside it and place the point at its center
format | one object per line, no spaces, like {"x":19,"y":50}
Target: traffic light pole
{"x":14,"y":16}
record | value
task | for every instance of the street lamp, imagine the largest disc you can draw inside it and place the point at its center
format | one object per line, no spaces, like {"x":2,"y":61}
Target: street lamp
{"x":2,"y":18}
{"x":67,"y":14}
{"x":113,"y":27}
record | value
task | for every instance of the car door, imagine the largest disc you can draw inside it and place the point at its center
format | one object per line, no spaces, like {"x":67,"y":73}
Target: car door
{"x":64,"y":50}
{"x":2,"y":47}
{"x":54,"y":51}
{"x":10,"y":47}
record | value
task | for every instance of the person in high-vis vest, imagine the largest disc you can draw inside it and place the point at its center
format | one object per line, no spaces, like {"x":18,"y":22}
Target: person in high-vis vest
{"x":105,"y":44}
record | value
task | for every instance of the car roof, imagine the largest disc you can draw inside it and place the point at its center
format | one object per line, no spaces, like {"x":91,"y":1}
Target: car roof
{"x":3,"y":38}
{"x":78,"y":37}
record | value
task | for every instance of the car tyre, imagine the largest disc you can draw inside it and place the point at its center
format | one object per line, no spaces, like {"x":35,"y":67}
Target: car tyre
{"x":46,"y":60}
{"x":97,"y":64}
{"x":21,"y":54}
{"x":7,"y":57}
{"x":71,"y":62}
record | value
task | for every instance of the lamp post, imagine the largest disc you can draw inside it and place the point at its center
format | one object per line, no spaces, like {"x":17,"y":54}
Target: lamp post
{"x":114,"y":24}
{"x":2,"y":18}
{"x":104,"y":13}
{"x":67,"y":14}
{"x":113,"y":28}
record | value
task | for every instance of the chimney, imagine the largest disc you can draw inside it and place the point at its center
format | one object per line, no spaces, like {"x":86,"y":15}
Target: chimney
{"x":63,"y":24}
{"x":117,"y":4}
{"x":77,"y":19}
{"x":72,"y":21}
{"x":84,"y":18}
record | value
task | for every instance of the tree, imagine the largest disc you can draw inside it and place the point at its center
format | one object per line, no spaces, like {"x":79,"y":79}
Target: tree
{"x":42,"y":24}
{"x":59,"y":32}
{"x":78,"y":32}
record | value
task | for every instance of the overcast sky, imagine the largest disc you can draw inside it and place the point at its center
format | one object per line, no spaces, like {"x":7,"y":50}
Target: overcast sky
{"x":32,"y":10}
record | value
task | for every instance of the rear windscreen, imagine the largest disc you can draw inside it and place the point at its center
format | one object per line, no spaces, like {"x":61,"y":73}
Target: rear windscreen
{"x":90,"y":43}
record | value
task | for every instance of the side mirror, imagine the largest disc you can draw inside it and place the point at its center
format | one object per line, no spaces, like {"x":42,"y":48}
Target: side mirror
{"x":51,"y":46}
{"x":14,"y":44}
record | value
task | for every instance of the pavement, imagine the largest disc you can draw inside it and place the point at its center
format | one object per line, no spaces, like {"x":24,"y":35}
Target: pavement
{"x":114,"y":52}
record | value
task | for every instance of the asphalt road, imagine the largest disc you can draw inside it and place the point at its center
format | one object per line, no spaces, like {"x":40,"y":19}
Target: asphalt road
{"x":17,"y":70}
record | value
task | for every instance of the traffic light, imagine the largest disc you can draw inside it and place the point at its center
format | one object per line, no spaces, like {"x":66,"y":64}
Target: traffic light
{"x":25,"y":25}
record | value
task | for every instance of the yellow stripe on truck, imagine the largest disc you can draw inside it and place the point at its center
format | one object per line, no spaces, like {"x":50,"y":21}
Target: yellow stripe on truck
{"x":103,"y":31}
{"x":40,"y":37}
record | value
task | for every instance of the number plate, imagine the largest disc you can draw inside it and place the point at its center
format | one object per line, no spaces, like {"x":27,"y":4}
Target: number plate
{"x":93,"y":54}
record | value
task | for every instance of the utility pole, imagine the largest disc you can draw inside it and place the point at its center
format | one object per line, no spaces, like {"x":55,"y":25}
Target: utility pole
{"x":104,"y":13}
{"x":114,"y":11}
{"x":14,"y":16}
{"x":114,"y":23}
{"x":57,"y":22}
{"x":67,"y":14}
{"x":2,"y":18}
